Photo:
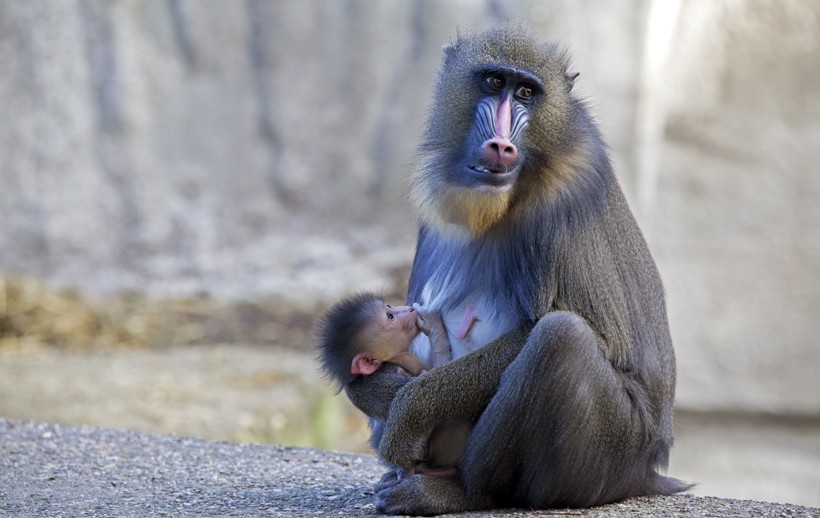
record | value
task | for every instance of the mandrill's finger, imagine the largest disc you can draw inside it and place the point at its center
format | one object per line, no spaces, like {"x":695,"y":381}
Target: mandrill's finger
{"x":423,"y":326}
{"x":421,"y":310}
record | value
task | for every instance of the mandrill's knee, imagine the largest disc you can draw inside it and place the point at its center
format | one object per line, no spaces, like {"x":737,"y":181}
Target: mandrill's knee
{"x":560,"y":330}
{"x":560,"y":341}
{"x":560,"y":324}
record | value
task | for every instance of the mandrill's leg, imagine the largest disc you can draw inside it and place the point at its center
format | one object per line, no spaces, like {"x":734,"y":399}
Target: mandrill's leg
{"x":564,"y":428}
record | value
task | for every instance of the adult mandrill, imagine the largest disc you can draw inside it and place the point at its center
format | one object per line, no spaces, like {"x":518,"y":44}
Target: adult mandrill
{"x":564,"y":362}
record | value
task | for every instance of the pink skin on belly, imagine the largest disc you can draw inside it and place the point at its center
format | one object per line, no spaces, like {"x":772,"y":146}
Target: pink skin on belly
{"x":470,"y":318}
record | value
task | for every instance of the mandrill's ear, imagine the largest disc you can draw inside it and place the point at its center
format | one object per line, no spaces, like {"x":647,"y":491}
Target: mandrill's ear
{"x":569,"y":80}
{"x":365,"y":364}
{"x":449,"y":51}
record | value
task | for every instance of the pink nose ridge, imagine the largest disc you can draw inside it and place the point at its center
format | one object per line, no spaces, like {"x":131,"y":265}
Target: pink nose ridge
{"x":499,"y":151}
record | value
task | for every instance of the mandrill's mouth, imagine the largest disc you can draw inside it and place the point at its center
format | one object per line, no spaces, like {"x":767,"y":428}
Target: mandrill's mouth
{"x":481,"y":168}
{"x":484,"y":175}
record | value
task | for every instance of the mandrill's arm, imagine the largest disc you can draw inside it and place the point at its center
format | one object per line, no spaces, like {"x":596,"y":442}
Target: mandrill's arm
{"x":373,"y":394}
{"x":458,"y":391}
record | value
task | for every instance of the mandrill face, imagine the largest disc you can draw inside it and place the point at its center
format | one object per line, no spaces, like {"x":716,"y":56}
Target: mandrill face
{"x":491,"y":159}
{"x":501,"y":113}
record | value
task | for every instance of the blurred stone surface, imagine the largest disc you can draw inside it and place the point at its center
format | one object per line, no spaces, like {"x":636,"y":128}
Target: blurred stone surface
{"x":229,"y":392}
{"x":736,"y":223}
{"x":270,"y":395}
{"x":253,"y":148}
{"x":245,"y":149}
{"x":52,"y":470}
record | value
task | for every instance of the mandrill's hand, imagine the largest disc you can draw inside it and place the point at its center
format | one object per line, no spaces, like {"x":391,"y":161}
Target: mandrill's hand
{"x":429,"y":322}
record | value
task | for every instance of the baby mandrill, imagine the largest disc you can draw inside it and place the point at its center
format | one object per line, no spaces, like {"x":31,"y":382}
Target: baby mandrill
{"x":357,"y":335}
{"x":360,"y":333}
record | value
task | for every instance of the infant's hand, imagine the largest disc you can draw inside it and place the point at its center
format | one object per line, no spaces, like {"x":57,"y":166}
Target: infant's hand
{"x":429,"y":323}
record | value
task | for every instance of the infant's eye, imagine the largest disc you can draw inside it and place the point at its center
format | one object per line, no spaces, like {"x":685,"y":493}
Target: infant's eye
{"x":390,"y":316}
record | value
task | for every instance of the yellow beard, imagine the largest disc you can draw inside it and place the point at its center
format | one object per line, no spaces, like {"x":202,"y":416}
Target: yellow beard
{"x":475,"y":210}
{"x":443,"y":206}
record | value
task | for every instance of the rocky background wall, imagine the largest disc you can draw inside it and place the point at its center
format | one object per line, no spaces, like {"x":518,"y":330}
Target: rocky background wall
{"x":238,"y":151}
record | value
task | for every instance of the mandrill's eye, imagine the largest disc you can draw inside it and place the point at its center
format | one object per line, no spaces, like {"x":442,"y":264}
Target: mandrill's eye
{"x":494,"y":81}
{"x":524,"y":92}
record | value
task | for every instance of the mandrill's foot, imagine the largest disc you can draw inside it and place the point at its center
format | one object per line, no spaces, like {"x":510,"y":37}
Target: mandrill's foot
{"x":390,"y":479}
{"x":426,"y":495}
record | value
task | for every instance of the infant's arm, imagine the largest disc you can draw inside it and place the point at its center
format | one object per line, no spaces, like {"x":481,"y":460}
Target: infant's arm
{"x":432,"y":325}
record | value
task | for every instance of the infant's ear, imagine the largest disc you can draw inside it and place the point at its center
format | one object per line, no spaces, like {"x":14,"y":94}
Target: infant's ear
{"x":365,"y":364}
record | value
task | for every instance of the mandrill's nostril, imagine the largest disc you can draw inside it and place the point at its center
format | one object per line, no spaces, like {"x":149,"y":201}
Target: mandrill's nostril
{"x":499,"y":152}
{"x":503,"y":149}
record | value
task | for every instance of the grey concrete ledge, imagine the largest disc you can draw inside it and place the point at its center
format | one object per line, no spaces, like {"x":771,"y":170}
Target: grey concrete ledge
{"x":57,"y":470}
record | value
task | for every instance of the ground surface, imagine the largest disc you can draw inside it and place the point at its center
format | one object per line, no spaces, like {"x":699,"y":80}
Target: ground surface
{"x":253,"y":394}
{"x":58,"y":470}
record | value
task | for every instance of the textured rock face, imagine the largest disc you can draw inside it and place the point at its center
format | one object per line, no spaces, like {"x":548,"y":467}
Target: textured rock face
{"x":238,"y":150}
{"x":735,"y":220}
{"x":250,"y":148}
